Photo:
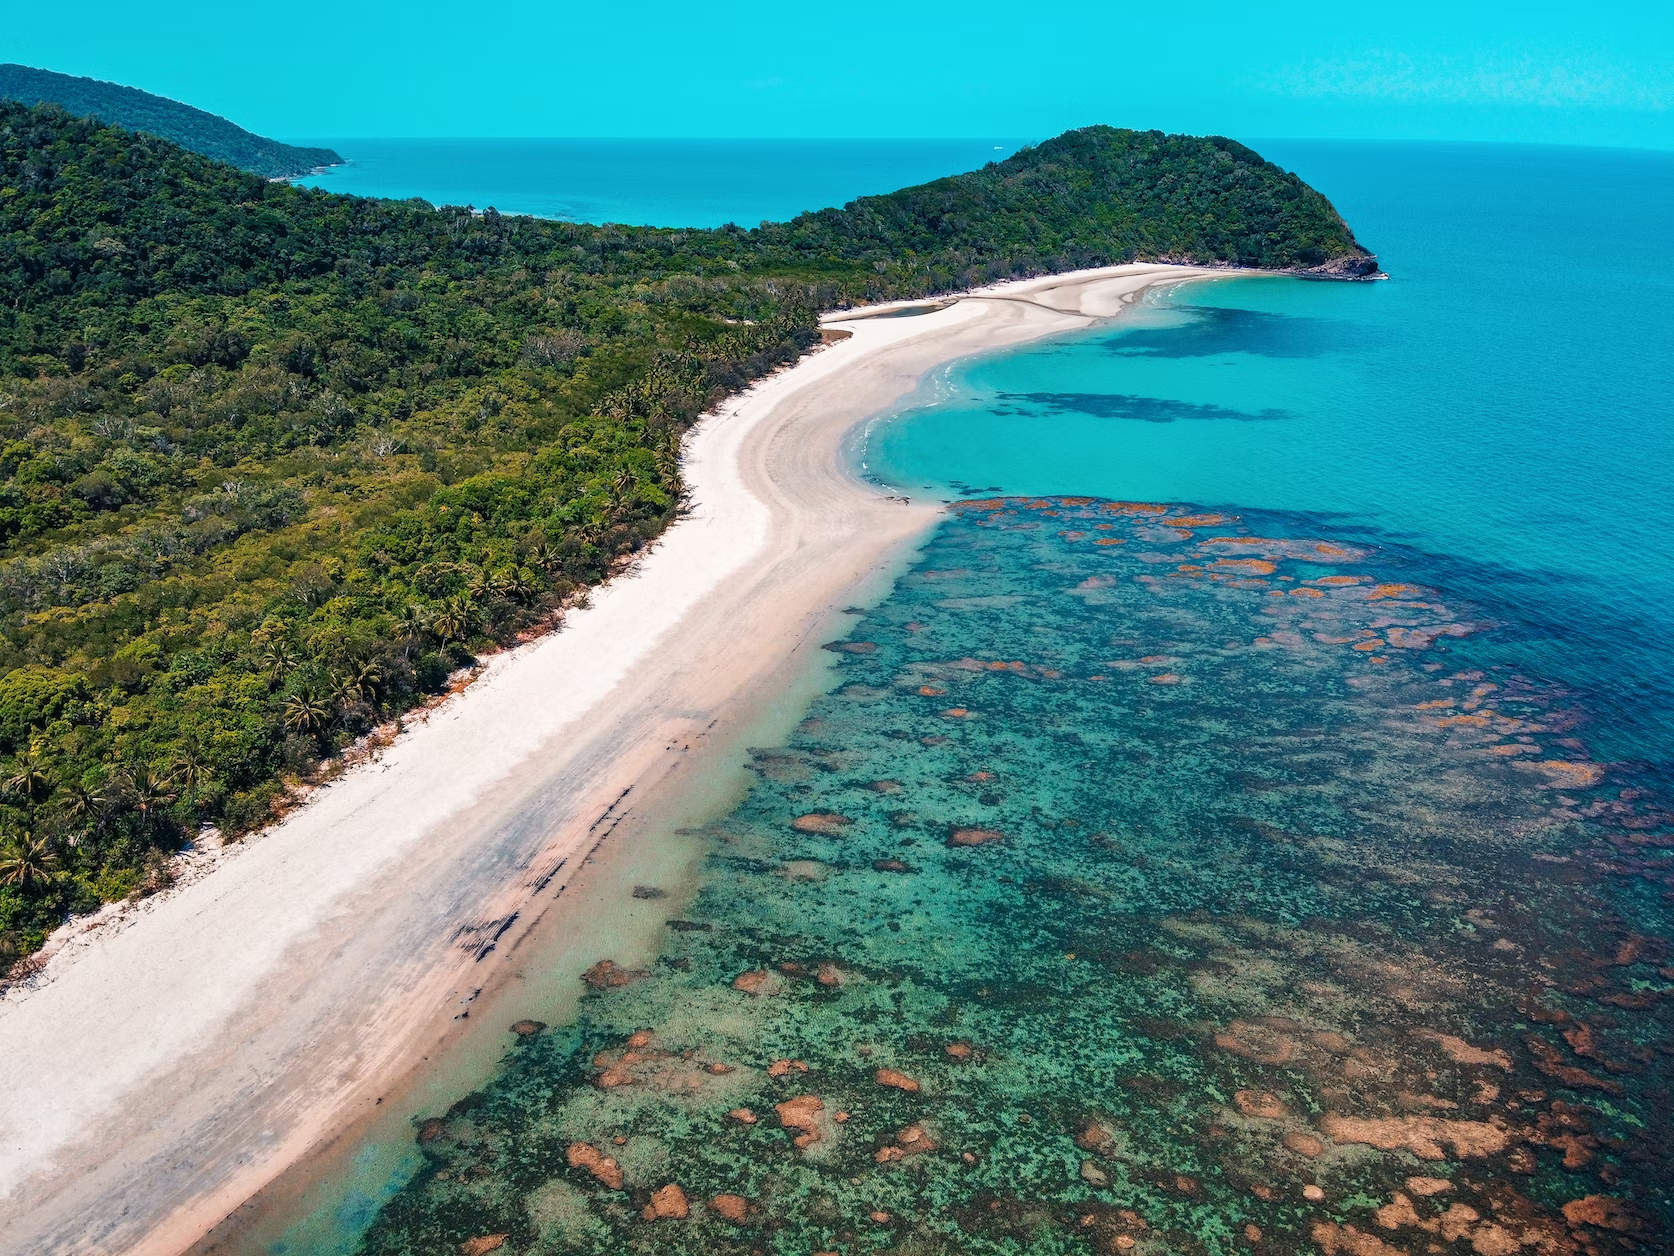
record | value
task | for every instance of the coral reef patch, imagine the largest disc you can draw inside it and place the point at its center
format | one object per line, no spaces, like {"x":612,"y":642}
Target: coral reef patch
{"x":1211,"y":892}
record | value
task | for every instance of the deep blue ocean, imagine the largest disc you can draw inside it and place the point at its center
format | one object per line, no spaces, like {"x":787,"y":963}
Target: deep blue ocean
{"x":1244,"y":827}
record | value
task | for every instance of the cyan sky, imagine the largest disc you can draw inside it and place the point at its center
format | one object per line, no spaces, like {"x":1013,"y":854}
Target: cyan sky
{"x":1585,"y":71}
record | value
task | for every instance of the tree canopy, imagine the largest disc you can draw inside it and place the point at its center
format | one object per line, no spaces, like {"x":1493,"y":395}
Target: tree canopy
{"x":202,"y":132}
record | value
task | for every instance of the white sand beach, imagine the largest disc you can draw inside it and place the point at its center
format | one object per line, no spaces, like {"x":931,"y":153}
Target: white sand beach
{"x":166,"y":1066}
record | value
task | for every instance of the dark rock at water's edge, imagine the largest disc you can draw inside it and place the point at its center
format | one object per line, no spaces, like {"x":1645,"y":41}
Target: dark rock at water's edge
{"x":195,"y":129}
{"x":1362,"y":267}
{"x":1357,"y":266}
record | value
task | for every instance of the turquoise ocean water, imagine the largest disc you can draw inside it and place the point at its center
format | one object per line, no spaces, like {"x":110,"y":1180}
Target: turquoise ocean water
{"x":1244,"y":828}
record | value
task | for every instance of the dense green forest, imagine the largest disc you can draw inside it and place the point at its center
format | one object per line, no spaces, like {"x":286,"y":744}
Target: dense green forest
{"x":274,"y":462}
{"x":205,"y":133}
{"x":1091,"y":197}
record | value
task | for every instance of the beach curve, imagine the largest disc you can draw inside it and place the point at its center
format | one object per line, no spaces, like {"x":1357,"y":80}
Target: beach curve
{"x":159,"y":1072}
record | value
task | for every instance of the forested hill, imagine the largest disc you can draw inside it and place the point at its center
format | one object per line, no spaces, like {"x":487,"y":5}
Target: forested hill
{"x":1091,"y":198}
{"x":274,"y":462}
{"x":205,"y":133}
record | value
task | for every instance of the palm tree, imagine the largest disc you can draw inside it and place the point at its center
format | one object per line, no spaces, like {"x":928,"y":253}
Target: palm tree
{"x":340,"y":690}
{"x":360,"y":682}
{"x":518,"y":585}
{"x":307,"y":713}
{"x":545,"y":556}
{"x":667,"y":457}
{"x":277,"y":661}
{"x":150,"y":792}
{"x":192,"y":772}
{"x":83,"y":802}
{"x":454,"y":619}
{"x":31,"y":778}
{"x":26,"y":859}
{"x":412,"y":621}
{"x":369,"y":680}
{"x":83,"y":805}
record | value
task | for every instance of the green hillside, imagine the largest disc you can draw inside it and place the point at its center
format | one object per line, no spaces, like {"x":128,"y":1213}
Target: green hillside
{"x":1091,"y":197}
{"x":204,"y":133}
{"x":274,"y":461}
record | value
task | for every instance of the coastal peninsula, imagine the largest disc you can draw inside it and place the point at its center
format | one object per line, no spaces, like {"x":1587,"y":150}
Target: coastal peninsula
{"x":278,"y":463}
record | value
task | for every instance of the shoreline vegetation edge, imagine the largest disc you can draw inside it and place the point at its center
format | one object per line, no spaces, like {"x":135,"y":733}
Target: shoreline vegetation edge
{"x":280,"y":461}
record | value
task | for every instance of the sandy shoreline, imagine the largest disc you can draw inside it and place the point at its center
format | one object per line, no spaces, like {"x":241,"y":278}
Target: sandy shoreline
{"x":163,"y":1072}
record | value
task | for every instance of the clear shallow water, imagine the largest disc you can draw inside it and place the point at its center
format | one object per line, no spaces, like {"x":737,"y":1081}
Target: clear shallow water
{"x":1502,"y":405}
{"x":1295,"y":858}
{"x":660,"y":183}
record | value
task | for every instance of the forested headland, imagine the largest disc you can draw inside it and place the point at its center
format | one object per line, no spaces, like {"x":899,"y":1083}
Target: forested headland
{"x":202,"y":132}
{"x":275,"y":462}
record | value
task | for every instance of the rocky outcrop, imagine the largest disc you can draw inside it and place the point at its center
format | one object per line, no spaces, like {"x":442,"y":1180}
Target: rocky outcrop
{"x":1261,"y":1104}
{"x":603,"y":1167}
{"x":758,"y":981}
{"x":974,"y":837}
{"x":801,"y":1114}
{"x":731,"y":1207}
{"x":911,"y":1141}
{"x":825,"y":823}
{"x":607,"y":975}
{"x":1461,"y":1052}
{"x":1424,"y":1136}
{"x":1605,"y":1212}
{"x":1360,"y":266}
{"x":668,"y":1203}
{"x":1333,"y":1238}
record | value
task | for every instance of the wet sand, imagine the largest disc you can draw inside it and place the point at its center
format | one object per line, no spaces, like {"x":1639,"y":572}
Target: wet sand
{"x":167,"y":1066}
